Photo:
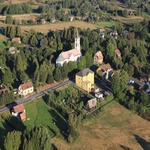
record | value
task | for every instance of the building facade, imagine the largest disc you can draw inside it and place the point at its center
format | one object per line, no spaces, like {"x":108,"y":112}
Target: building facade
{"x":98,"y":58}
{"x":85,"y":79}
{"x":25,"y":89}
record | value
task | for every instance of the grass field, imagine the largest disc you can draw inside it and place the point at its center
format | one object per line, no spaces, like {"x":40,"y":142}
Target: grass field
{"x":41,"y":114}
{"x":106,"y":24}
{"x":59,"y":26}
{"x":114,"y":128}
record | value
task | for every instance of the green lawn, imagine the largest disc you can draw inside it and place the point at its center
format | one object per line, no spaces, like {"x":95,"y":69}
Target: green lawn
{"x":106,"y":24}
{"x":2,"y":45}
{"x":41,"y":114}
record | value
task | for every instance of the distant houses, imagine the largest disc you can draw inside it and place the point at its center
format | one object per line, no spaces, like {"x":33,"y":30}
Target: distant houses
{"x":13,"y":50}
{"x":16,"y":39}
{"x":3,"y":90}
{"x":98,"y":58}
{"x":25,"y":88}
{"x":85,"y":79}
{"x":19,"y":111}
{"x":118,"y":53}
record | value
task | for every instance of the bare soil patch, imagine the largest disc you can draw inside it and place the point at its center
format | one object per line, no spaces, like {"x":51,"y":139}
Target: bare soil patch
{"x":60,"y":26}
{"x":103,"y":133}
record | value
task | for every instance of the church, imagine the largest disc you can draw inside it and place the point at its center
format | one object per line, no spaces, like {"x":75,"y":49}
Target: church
{"x":70,"y":55}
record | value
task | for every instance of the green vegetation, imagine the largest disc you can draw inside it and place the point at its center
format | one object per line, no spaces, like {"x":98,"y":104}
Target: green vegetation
{"x":41,"y":114}
{"x":106,"y":24}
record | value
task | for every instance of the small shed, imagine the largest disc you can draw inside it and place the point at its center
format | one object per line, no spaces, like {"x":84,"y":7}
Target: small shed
{"x":91,"y":103}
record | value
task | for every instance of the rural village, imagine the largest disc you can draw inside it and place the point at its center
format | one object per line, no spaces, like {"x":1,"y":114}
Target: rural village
{"x":75,"y":75}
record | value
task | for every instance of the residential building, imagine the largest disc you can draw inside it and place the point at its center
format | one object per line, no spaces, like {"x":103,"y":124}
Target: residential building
{"x":4,"y":90}
{"x":19,"y":111}
{"x":107,"y":71}
{"x":70,"y":55}
{"x":43,"y":21}
{"x":98,"y":95}
{"x":118,"y":53}
{"x":34,"y":19}
{"x":98,"y":58}
{"x":91,"y":103}
{"x":13,"y":50}
{"x":114,"y":34}
{"x":26,"y":88}
{"x":71,"y":18}
{"x":85,"y":79}
{"x":16,"y":39}
{"x":52,"y":20}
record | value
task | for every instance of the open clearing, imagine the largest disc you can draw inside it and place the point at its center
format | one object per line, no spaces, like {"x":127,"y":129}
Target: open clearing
{"x":114,"y":128}
{"x":59,"y":26}
{"x":131,"y":19}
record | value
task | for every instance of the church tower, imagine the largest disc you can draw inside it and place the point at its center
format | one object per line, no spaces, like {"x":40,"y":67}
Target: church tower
{"x":77,"y":42}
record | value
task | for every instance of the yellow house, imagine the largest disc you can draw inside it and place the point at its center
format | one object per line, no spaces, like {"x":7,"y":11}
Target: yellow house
{"x":85,"y":79}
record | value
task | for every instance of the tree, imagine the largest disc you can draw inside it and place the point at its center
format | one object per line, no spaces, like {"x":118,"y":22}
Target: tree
{"x":12,"y":32}
{"x":43,"y":72}
{"x":12,"y":140}
{"x":50,"y":78}
{"x":89,"y":59}
{"x":82,"y":63}
{"x":115,"y":85}
{"x":33,"y":40}
{"x":119,"y":82}
{"x":37,"y":139}
{"x":9,"y":20}
{"x":18,"y":31}
{"x":57,"y":74}
{"x":7,"y":77}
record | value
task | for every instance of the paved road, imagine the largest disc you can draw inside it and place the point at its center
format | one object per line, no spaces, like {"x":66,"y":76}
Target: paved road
{"x":35,"y":96}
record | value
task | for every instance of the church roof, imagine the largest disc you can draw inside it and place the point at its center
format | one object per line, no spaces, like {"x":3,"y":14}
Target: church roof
{"x":67,"y":54}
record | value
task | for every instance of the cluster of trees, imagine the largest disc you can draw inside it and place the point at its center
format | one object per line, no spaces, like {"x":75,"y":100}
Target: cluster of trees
{"x":15,"y":9}
{"x":34,"y":139}
{"x":69,"y":104}
{"x":6,"y":98}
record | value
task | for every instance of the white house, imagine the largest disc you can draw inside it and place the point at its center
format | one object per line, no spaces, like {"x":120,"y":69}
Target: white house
{"x":98,"y":95}
{"x":70,"y":55}
{"x":26,"y":88}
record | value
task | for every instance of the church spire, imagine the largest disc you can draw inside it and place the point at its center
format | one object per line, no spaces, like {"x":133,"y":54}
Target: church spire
{"x":77,"y":41}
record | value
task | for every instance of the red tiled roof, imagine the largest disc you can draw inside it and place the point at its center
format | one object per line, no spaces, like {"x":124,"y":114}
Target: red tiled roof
{"x":99,"y":55}
{"x":23,"y":116}
{"x":19,"y":108}
{"x":117,"y":52}
{"x":105,"y":67}
{"x":16,"y":39}
{"x":3,"y":90}
{"x":26,"y":85}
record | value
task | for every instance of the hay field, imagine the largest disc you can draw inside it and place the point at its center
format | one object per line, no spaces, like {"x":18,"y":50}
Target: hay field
{"x":59,"y":26}
{"x":131,"y":19}
{"x":114,"y":128}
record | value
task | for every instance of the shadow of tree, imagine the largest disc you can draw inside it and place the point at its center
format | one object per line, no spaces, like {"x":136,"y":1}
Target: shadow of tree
{"x":60,"y":123}
{"x":144,"y":144}
{"x":54,"y":147}
{"x":4,"y":129}
{"x":125,"y":147}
